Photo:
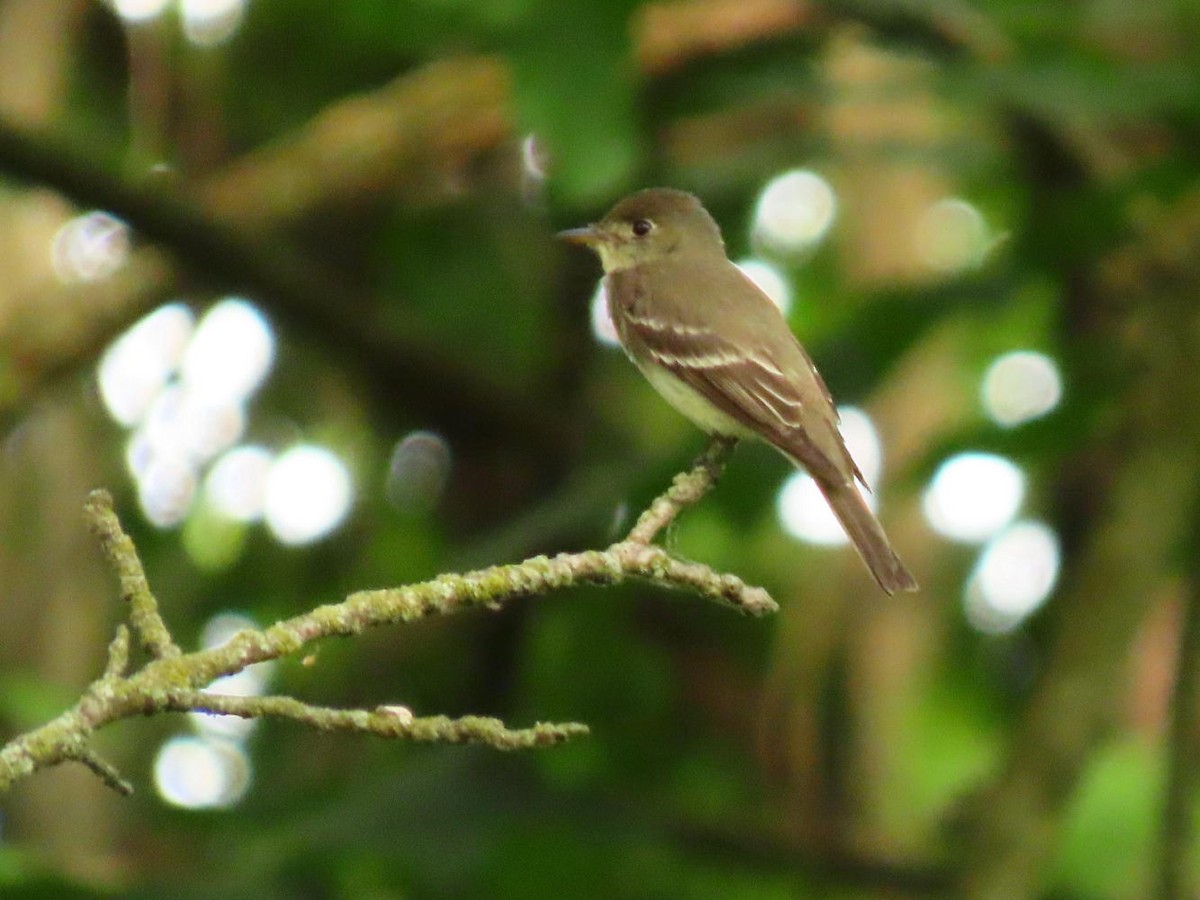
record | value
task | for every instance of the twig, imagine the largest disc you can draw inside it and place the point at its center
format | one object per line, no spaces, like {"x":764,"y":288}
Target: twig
{"x":118,"y":653}
{"x":172,"y":681}
{"x":105,"y":771}
{"x":219,"y":239}
{"x":687,"y":488}
{"x":384,"y":721}
{"x":119,"y":551}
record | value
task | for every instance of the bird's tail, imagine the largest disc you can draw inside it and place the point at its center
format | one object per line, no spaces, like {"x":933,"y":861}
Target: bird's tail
{"x":867,"y":535}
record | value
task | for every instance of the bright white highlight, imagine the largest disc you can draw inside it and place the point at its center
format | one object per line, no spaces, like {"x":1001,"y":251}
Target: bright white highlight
{"x":192,"y":428}
{"x":236,"y":485}
{"x":770,"y":281}
{"x":952,"y":236}
{"x":198,"y":773}
{"x":138,"y":11}
{"x":973,"y":496}
{"x":207,"y":23}
{"x":230,"y":354}
{"x":1020,"y":386}
{"x":794,"y":211}
{"x":135,"y":368}
{"x":184,"y":387}
{"x":308,"y":494}
{"x":533,"y":158}
{"x":89,"y":247}
{"x":178,"y":434}
{"x":1016,"y":573}
{"x":801,"y":508}
{"x":603,"y":329}
{"x":166,"y":486}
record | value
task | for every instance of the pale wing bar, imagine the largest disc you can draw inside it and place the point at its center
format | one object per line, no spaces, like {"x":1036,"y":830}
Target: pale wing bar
{"x":750,"y":388}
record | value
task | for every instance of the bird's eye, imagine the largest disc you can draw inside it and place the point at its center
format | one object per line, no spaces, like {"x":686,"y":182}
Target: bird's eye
{"x":642,"y":227}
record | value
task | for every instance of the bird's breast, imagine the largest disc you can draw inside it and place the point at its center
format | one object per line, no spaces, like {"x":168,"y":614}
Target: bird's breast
{"x":691,"y":402}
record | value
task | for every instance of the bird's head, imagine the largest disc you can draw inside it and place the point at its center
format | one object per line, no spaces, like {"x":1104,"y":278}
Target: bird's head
{"x":648,"y":226}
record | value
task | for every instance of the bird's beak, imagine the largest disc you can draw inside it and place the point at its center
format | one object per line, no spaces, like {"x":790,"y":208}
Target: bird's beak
{"x":588,"y":236}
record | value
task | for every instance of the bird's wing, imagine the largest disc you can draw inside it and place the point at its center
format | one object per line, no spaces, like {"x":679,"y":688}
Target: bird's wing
{"x":753,"y":371}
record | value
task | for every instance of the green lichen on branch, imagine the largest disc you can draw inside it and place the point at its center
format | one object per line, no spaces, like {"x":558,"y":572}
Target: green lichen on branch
{"x":173,"y":681}
{"x":686,"y":489}
{"x":383,"y":721}
{"x":122,"y":557}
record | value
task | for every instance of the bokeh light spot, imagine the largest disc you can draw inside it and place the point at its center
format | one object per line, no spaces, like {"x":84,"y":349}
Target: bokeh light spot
{"x":533,"y":158}
{"x":138,"y":11}
{"x":166,"y":487}
{"x":795,"y":210}
{"x":973,"y":496}
{"x":89,"y":247}
{"x":236,"y":485}
{"x":952,"y":236}
{"x":200,"y":773}
{"x":192,"y":429}
{"x":419,"y":470}
{"x":136,"y":367}
{"x":213,"y":541}
{"x":800,"y":506}
{"x":207,"y":23}
{"x":1016,"y":572}
{"x":603,"y":329}
{"x":308,"y":494}
{"x":230,"y":354}
{"x":184,"y":387}
{"x":1021,"y":386}
{"x":770,"y":281}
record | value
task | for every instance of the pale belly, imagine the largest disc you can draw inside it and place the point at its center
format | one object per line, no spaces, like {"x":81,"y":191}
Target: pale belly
{"x":693,"y":405}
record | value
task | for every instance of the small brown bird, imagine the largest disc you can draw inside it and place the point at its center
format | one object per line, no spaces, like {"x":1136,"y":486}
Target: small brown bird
{"x":721,"y":353}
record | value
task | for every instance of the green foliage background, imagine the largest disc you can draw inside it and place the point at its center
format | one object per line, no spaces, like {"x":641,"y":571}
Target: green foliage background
{"x":852,"y":747}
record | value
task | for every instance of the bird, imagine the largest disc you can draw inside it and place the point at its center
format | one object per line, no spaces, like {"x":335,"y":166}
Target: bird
{"x":720,"y":351}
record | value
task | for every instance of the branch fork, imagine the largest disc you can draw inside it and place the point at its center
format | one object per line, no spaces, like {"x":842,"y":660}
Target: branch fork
{"x":173,"y":681}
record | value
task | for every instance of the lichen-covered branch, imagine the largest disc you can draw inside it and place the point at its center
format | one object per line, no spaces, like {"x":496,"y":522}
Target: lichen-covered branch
{"x":384,"y":721}
{"x":120,"y":554}
{"x":686,"y":489}
{"x":173,"y":681}
{"x":105,"y":771}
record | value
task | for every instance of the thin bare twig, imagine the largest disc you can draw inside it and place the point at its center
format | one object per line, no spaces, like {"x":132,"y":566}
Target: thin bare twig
{"x":118,"y":653}
{"x":105,"y":771}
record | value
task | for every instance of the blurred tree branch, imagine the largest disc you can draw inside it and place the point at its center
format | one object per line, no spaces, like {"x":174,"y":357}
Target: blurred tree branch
{"x":174,"y":682}
{"x":222,"y":252}
{"x":838,"y":868}
{"x":1135,"y":515}
{"x":1178,"y":837}
{"x":414,"y":139}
